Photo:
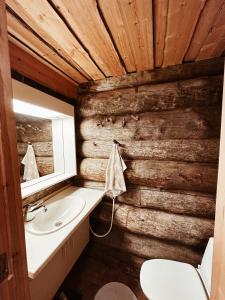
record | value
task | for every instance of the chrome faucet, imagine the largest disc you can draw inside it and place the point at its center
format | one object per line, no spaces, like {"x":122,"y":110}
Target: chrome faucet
{"x":28,"y":214}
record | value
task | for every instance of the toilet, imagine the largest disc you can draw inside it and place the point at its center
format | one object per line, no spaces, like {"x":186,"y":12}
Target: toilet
{"x":115,"y":291}
{"x":163,"y":279}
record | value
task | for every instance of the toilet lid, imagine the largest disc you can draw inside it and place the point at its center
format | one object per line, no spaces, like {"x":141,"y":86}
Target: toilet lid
{"x":171,"y":280}
{"x":115,"y":291}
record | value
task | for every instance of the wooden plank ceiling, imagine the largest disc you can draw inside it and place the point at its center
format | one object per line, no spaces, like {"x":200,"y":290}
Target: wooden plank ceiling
{"x":94,"y":39}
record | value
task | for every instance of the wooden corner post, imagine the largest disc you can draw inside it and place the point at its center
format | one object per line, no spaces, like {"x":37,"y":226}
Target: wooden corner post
{"x":13,"y":266}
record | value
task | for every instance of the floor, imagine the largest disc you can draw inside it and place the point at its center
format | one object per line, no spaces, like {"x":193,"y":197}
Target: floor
{"x":97,"y":266}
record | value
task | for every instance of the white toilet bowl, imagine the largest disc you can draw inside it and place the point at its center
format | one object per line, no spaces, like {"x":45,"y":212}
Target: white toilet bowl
{"x":163,"y":279}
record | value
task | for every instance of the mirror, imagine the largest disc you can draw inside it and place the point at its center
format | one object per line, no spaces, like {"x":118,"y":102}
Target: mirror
{"x":34,"y":145}
{"x":45,"y":138}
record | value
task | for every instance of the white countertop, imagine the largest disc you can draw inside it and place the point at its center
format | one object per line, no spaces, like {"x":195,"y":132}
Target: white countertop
{"x":41,"y":248}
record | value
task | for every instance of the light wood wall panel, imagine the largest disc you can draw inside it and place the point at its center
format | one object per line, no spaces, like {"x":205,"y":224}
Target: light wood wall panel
{"x":88,"y":25}
{"x":131,"y":25}
{"x":182,"y":19}
{"x":40,"y":16}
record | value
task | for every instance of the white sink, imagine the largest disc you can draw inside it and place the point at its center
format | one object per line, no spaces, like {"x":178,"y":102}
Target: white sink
{"x":59,"y":213}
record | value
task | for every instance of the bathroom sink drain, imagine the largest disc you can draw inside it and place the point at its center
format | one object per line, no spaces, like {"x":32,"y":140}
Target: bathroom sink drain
{"x":57,"y":224}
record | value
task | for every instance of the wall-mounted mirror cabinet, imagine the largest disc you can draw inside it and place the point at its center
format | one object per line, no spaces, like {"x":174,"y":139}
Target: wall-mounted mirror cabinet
{"x":45,"y":138}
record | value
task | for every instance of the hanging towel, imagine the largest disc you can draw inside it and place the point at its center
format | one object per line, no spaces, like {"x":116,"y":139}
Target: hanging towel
{"x":30,"y":165}
{"x":115,"y":182}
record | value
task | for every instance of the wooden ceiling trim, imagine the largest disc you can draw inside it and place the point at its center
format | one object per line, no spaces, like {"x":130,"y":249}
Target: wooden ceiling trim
{"x":131,"y":25}
{"x":207,"y":18}
{"x":90,"y":29}
{"x":182,"y":19}
{"x":160,"y":25}
{"x":214,"y":44}
{"x":40,"y":16}
{"x":25,"y":36}
{"x":28,"y":66}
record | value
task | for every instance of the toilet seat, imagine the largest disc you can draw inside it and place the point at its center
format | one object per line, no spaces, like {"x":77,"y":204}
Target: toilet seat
{"x":171,"y":280}
{"x":115,"y":291}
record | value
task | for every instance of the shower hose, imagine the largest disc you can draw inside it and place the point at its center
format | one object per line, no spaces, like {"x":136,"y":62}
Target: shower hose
{"x":111,"y":223}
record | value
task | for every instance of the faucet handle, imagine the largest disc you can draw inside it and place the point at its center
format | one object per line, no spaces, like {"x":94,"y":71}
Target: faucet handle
{"x":35,"y":205}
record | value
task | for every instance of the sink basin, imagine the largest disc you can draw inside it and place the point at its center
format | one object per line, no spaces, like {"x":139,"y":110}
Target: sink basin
{"x":59,"y":213}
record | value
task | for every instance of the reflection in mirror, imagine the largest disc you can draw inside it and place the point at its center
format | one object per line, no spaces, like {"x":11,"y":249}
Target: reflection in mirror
{"x":34,"y":145}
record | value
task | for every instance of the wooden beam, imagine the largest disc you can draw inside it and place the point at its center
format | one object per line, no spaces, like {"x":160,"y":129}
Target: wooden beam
{"x":130,"y":23}
{"x":182,"y":19}
{"x":195,"y":123}
{"x":214,"y":44}
{"x":27,"y":65}
{"x":175,"y":150}
{"x":200,"y":177}
{"x":160,"y":25}
{"x":147,"y":247}
{"x":172,"y":73}
{"x":207,"y":18}
{"x":198,"y":92}
{"x":178,"y":202}
{"x":15,"y":285}
{"x":43,"y":19}
{"x":186,"y":230}
{"x":86,"y":22}
{"x":27,"y":38}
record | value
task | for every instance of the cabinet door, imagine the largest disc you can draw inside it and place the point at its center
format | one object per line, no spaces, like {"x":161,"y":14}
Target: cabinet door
{"x":13,"y":270}
{"x":218,"y":276}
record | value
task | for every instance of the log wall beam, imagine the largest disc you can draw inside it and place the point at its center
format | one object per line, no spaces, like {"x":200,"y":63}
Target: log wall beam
{"x":149,"y":247}
{"x":166,"y":175}
{"x":193,"y":123}
{"x":174,"y":150}
{"x":184,"y":229}
{"x":180,"y":72}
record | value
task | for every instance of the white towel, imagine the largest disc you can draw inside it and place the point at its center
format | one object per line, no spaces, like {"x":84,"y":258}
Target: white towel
{"x":115,"y":182}
{"x":30,"y":165}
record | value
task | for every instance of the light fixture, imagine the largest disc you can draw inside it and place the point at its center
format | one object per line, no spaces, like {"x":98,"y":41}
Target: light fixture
{"x":25,"y":108}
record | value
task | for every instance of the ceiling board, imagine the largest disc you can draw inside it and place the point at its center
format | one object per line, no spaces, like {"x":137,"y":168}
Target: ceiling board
{"x":214,"y":44}
{"x":182,"y":19}
{"x":28,"y":38}
{"x":160,"y":25}
{"x":96,"y":39}
{"x":18,"y":44}
{"x":90,"y":29}
{"x":40,"y":16}
{"x":206,"y":20}
{"x":131,"y":26}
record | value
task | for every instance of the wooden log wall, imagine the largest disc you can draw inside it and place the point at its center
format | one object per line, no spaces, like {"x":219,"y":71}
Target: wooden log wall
{"x":38,"y":132}
{"x":169,"y":135}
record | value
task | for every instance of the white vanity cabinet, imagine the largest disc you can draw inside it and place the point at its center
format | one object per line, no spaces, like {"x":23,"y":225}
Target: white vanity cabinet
{"x":47,"y":282}
{"x":51,"y":256}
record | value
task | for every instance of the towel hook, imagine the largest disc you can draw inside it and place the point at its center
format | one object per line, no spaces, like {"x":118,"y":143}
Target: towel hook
{"x":116,"y":142}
